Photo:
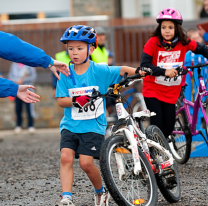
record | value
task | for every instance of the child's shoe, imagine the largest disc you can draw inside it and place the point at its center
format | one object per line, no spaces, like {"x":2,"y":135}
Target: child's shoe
{"x":102,"y":198}
{"x":65,"y":202}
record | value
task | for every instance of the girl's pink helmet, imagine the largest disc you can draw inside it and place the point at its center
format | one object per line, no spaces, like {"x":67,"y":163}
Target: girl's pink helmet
{"x":170,"y":14}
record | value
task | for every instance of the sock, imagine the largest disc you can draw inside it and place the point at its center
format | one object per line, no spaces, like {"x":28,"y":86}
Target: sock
{"x":67,"y":194}
{"x":102,"y":189}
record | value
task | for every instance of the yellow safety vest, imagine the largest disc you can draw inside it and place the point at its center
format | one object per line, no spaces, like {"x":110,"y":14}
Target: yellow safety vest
{"x":100,"y":55}
{"x":63,"y":57}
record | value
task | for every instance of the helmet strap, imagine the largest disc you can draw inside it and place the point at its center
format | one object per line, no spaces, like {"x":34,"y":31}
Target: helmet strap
{"x":87,"y":54}
{"x":71,"y":73}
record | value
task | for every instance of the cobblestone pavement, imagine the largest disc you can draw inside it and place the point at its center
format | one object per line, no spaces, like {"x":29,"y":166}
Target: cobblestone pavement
{"x":29,"y":173}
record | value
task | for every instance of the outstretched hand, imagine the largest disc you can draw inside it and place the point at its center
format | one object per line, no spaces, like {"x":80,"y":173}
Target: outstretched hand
{"x":27,"y":96}
{"x":61,"y":67}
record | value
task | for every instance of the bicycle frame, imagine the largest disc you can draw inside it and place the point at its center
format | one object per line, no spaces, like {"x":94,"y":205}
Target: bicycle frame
{"x":137,"y":138}
{"x":198,"y":103}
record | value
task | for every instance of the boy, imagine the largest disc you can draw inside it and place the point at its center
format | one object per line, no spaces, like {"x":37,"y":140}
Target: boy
{"x":82,"y":130}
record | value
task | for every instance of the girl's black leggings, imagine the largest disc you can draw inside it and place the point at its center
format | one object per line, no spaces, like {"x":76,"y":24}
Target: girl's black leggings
{"x":165,"y":115}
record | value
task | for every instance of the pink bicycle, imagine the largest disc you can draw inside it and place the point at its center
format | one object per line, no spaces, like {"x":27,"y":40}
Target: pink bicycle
{"x":185,"y":125}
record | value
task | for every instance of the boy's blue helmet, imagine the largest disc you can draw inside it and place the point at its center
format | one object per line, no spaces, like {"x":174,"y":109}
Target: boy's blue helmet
{"x":80,"y":33}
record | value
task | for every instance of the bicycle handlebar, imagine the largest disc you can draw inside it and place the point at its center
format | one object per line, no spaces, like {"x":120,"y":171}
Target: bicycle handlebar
{"x":123,"y":83}
{"x":196,"y":66}
{"x":182,"y":70}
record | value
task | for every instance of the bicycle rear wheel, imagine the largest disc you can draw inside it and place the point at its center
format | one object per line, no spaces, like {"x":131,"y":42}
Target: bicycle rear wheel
{"x":180,"y":145}
{"x":168,"y":182}
{"x":127,"y":189}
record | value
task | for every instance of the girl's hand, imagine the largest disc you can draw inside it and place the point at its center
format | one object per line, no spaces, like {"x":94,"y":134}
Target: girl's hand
{"x":170,"y":73}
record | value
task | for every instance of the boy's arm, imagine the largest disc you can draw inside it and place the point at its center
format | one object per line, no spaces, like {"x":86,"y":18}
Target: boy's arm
{"x":130,"y":70}
{"x":65,"y":101}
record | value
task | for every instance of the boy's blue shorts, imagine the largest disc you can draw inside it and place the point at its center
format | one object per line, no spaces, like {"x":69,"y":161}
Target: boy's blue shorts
{"x":82,"y":143}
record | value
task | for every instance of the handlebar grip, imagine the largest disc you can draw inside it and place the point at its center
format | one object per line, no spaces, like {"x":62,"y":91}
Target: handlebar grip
{"x":147,"y":70}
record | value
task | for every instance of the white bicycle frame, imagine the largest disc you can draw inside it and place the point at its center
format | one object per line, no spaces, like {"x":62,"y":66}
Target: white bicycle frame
{"x":142,"y":141}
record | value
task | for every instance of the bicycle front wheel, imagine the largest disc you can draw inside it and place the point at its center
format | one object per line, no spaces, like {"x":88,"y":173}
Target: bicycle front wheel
{"x":126,"y":188}
{"x":168,"y":182}
{"x":180,"y":144}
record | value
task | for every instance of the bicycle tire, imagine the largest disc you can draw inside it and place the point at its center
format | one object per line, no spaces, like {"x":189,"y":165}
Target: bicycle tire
{"x":169,"y":183}
{"x":120,"y":190}
{"x":180,"y":145}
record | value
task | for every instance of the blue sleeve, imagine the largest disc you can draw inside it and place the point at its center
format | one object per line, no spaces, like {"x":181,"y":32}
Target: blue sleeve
{"x":61,"y":89}
{"x":8,"y":88}
{"x":17,"y":50}
{"x":109,"y":74}
{"x":205,"y":36}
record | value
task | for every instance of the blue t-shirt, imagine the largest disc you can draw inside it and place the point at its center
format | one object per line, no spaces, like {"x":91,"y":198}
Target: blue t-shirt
{"x":100,"y":76}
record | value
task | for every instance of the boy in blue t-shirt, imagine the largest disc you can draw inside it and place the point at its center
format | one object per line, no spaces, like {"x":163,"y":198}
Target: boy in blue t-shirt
{"x":81,"y":134}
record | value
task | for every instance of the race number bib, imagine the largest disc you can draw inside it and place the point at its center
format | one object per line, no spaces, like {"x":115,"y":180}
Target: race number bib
{"x":168,"y":60}
{"x":92,"y":111}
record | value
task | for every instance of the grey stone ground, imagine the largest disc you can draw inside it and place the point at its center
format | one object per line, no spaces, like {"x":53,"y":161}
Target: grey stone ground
{"x":29,"y":174}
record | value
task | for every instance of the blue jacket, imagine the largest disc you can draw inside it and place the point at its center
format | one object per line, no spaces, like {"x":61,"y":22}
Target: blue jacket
{"x":14,"y":49}
{"x":7,"y":88}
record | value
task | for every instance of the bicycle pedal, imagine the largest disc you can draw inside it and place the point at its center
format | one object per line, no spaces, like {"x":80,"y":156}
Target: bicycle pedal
{"x":171,"y":182}
{"x":167,"y":171}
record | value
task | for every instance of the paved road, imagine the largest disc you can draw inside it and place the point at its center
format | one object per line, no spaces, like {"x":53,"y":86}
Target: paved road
{"x":29,"y":173}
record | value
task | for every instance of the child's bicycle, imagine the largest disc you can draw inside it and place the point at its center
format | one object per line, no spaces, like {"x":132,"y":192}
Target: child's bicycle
{"x":130,"y":157}
{"x":185,"y":124}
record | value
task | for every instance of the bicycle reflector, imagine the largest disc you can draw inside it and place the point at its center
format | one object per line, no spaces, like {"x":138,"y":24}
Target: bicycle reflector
{"x":122,"y":150}
{"x":139,"y":201}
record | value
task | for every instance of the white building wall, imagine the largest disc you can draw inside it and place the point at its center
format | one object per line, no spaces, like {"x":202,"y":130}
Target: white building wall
{"x":185,"y":7}
{"x":33,"y":6}
{"x":135,"y":8}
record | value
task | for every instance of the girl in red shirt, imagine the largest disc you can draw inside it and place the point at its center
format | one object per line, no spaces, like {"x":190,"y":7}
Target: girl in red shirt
{"x":163,"y":52}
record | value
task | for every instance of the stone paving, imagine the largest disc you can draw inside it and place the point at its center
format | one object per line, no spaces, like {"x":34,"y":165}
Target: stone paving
{"x":29,"y":173}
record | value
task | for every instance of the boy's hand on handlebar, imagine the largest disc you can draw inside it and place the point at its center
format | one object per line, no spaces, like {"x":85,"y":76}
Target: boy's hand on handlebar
{"x":170,"y":73}
{"x":80,"y":101}
{"x":143,"y":71}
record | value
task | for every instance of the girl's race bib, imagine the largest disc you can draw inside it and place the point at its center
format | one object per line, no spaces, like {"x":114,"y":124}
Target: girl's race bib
{"x":168,"y":60}
{"x":92,"y":111}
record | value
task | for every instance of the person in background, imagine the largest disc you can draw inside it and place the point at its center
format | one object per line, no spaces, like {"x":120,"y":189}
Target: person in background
{"x":110,"y":58}
{"x":26,"y":75}
{"x":204,"y":11}
{"x":192,"y":59}
{"x":100,"y":55}
{"x":203,"y":33}
{"x":62,"y":57}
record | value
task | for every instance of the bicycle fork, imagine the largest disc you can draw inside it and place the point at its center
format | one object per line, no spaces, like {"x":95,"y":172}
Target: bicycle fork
{"x":135,"y":154}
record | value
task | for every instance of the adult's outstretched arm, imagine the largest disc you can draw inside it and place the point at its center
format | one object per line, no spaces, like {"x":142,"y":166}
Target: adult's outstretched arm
{"x":14,"y":49}
{"x":8,"y":88}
